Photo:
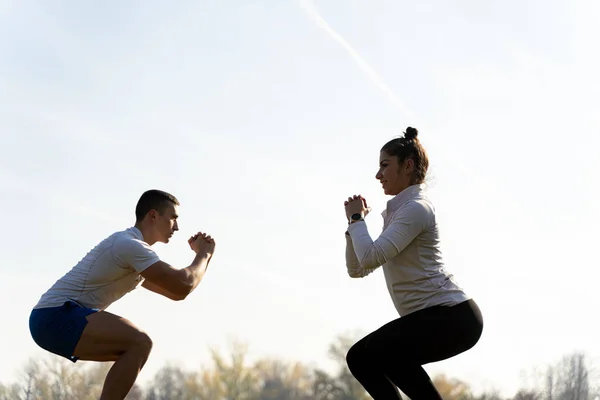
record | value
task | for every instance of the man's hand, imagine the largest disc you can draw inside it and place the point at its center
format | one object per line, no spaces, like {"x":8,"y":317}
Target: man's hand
{"x":201,"y":243}
{"x":356,"y":204}
{"x":177,"y":284}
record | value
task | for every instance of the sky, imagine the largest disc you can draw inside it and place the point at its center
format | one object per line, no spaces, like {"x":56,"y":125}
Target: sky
{"x":262,"y":117}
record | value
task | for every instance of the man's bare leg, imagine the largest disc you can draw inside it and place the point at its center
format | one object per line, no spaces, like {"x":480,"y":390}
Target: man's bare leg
{"x":108,"y":337}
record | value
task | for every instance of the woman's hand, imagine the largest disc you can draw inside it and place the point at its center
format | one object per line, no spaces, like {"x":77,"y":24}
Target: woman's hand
{"x":356,"y":204}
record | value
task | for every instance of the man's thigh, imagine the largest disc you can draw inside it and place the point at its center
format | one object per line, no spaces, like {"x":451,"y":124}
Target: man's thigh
{"x":107,"y":336}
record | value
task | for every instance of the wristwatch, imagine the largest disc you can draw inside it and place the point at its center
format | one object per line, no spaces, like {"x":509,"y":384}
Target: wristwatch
{"x":356,"y":217}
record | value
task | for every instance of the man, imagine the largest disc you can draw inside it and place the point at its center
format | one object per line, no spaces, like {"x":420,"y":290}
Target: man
{"x":70,"y":318}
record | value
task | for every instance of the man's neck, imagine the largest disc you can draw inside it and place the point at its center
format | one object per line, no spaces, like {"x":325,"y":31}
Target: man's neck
{"x":146,"y":236}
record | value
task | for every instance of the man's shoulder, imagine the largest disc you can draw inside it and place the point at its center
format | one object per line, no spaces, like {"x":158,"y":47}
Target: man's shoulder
{"x":129,"y":241}
{"x":130,"y":250}
{"x":131,"y":233}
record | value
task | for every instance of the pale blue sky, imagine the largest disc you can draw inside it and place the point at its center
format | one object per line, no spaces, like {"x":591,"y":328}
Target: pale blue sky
{"x":262,"y":122}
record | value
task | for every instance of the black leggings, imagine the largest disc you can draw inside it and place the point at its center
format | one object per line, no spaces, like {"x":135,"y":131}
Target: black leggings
{"x":392,"y":356}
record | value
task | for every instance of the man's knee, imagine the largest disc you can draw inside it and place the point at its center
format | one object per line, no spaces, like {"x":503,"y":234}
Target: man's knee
{"x":143,"y":341}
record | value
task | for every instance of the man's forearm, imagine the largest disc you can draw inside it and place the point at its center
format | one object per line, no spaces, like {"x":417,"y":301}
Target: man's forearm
{"x":195,"y":272}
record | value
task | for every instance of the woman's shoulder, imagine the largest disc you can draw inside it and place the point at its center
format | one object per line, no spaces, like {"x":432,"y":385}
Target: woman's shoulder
{"x":418,"y":208}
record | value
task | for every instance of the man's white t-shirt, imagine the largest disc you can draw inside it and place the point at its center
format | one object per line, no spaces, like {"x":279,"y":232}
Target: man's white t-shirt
{"x":108,"y":272}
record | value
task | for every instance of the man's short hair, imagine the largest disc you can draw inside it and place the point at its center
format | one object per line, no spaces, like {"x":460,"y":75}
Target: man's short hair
{"x":153,"y":199}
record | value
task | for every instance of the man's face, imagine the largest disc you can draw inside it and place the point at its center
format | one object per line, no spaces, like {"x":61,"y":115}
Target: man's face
{"x":166,"y":223}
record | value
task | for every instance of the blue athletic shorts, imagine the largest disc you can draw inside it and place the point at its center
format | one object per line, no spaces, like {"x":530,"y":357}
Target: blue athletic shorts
{"x":58,"y":329}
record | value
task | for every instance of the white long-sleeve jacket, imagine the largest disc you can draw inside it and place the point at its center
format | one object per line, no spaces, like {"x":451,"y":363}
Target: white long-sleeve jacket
{"x":409,"y":252}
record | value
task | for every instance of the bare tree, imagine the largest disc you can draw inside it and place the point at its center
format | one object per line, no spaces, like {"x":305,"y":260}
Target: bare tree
{"x":207,"y":385}
{"x":283,"y":381}
{"x":135,"y":393}
{"x":326,"y":387}
{"x":528,"y":394}
{"x":168,"y":383}
{"x":54,"y":378}
{"x":231,"y":377}
{"x":345,"y":381}
{"x":549,"y":390}
{"x":228,"y":378}
{"x":33,"y":383}
{"x":490,"y":395}
{"x":568,"y":379}
{"x":10,"y":392}
{"x":451,"y":389}
{"x":87,"y":381}
{"x":31,"y":380}
{"x":574,"y":378}
{"x":236,"y":380}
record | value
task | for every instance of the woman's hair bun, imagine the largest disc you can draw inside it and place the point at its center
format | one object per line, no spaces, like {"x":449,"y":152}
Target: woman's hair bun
{"x":411,"y":133}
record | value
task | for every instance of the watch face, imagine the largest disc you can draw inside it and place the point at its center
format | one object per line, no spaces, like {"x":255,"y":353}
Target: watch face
{"x":356,"y":216}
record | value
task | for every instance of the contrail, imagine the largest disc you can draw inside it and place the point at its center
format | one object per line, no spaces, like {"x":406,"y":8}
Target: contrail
{"x":311,"y":10}
{"x":483,"y":182}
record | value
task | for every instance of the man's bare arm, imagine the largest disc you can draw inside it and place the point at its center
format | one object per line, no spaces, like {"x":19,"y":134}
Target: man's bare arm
{"x":159,"y":290}
{"x":179,"y":282}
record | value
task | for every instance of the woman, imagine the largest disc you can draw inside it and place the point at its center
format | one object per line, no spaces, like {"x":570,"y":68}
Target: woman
{"x":438,"y":320}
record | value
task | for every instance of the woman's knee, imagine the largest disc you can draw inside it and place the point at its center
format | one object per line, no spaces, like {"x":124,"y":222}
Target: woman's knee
{"x":356,"y":356}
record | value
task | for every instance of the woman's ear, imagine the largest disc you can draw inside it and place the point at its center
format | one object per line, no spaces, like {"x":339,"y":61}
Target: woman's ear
{"x":409,"y":166}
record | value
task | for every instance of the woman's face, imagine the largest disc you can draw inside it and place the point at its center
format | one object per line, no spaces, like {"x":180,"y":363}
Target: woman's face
{"x":393,"y":175}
